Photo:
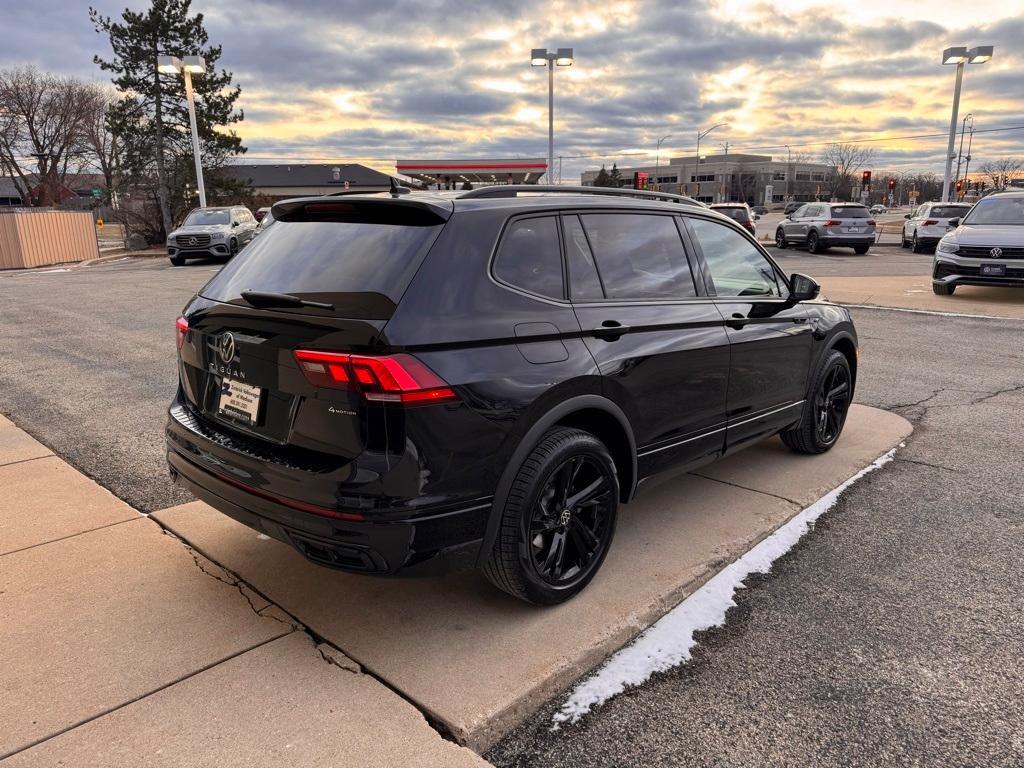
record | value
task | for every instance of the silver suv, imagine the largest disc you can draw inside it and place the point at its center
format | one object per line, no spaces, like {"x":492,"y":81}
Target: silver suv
{"x":986,"y":247}
{"x":208,"y":232}
{"x":827,"y":225}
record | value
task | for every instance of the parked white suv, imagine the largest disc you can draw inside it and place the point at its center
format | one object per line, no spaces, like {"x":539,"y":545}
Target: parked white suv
{"x":220,"y":232}
{"x":928,"y":223}
{"x":985,"y":248}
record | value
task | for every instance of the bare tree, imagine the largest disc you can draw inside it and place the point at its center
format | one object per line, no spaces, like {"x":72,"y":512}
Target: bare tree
{"x":1001,"y":171}
{"x":844,"y":160}
{"x":103,"y":145}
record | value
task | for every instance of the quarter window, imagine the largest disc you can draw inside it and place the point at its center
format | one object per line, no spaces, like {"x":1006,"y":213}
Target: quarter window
{"x":737,"y":267}
{"x":639,"y":256}
{"x":529,"y":257}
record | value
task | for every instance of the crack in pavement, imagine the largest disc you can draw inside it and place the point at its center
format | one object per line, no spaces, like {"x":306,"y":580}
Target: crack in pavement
{"x":924,"y":406}
{"x":925,"y":464}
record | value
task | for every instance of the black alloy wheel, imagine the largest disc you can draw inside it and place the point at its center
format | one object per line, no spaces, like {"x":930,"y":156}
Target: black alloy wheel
{"x":813,"y":244}
{"x":780,"y":238}
{"x":571,"y":521}
{"x":832,"y":403}
{"x":828,"y":403}
{"x":915,"y":246}
{"x":558,"y":520}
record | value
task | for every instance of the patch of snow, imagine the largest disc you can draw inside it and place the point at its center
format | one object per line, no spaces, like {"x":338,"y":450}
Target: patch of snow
{"x":931,"y":312}
{"x":262,"y":537}
{"x":669,"y":641}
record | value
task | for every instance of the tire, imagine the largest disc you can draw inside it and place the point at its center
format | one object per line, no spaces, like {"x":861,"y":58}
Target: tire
{"x":915,"y":246}
{"x":813,"y":242}
{"x":808,"y":436}
{"x":538,"y":528}
{"x":904,"y":243}
{"x":780,"y":239}
{"x":860,"y":250}
{"x":178,"y":261}
{"x":232,"y":248}
{"x":943,"y":289}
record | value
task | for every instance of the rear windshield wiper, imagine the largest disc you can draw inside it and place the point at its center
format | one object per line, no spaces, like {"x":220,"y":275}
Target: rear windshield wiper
{"x":270,"y":299}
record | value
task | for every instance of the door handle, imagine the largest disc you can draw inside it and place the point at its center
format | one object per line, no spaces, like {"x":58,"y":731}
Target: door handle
{"x":610,"y":329}
{"x":799,"y":319}
{"x":737,"y":321}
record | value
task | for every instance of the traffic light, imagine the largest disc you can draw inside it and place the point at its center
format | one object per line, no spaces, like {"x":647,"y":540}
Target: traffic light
{"x":865,"y":179}
{"x":892,"y":184}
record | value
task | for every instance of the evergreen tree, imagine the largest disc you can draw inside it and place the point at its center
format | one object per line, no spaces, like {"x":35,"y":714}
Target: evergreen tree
{"x":615,"y":177}
{"x":601,"y":180}
{"x":151,"y":118}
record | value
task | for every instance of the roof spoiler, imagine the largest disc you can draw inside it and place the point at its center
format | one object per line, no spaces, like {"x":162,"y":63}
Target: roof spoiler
{"x":425,"y":210}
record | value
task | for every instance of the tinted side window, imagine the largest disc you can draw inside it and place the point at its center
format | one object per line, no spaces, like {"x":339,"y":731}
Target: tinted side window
{"x":800,"y":212}
{"x":529,"y":257}
{"x":737,"y":267}
{"x":584,"y":282}
{"x":639,"y":256}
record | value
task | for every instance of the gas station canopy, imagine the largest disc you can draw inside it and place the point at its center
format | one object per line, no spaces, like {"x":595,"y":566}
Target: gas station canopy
{"x":452,"y":173}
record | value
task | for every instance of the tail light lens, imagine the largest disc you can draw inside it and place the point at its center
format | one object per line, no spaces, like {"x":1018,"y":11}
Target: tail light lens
{"x":180,"y":329}
{"x":870,"y":222}
{"x":387,"y":379}
{"x":833,"y":223}
{"x":929,"y":222}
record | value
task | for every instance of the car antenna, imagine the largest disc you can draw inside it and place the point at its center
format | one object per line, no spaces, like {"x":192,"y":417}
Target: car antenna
{"x":397,"y":189}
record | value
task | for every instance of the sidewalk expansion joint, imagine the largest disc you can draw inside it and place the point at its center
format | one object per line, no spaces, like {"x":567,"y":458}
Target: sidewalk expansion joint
{"x":793,"y":502}
{"x":25,"y":461}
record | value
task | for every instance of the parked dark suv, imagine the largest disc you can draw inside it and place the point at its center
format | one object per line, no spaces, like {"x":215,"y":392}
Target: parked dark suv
{"x":417,"y":381}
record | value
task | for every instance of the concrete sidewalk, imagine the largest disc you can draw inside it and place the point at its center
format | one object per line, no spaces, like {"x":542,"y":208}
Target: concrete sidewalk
{"x":915,"y":292}
{"x":480,"y":662}
{"x":121,"y":645}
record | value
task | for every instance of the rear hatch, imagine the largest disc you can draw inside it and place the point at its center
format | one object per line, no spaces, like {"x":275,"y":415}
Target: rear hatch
{"x":324,"y":279}
{"x":850,"y":220}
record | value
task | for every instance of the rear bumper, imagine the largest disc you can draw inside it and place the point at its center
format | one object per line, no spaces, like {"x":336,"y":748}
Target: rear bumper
{"x":434,"y":540}
{"x":841,"y":241}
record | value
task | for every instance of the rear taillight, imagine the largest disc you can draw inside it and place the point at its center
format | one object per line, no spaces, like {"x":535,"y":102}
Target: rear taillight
{"x":180,"y":329}
{"x":870,"y":222}
{"x":930,"y":222}
{"x":388,"y":379}
{"x":833,"y":223}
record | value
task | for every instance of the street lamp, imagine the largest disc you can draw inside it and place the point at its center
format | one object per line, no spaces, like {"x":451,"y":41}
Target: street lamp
{"x":700,"y":135}
{"x":657,"y":158}
{"x":959,"y":55}
{"x":190,"y":65}
{"x":540,"y":57}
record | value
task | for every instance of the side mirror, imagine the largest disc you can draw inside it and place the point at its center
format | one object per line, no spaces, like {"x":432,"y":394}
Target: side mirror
{"x":906,"y":216}
{"x":804,"y":288}
{"x":954,"y":223}
{"x":234,"y":224}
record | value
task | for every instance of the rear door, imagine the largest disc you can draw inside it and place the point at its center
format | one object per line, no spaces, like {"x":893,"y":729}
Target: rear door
{"x":237,"y":361}
{"x":769,"y":335}
{"x":658,"y":340}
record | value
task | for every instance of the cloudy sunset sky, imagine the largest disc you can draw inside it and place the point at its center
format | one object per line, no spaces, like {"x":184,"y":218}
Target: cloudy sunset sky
{"x":387,"y":79}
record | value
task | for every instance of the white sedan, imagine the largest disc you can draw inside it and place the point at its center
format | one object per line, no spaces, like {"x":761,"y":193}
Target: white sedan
{"x":928,"y":223}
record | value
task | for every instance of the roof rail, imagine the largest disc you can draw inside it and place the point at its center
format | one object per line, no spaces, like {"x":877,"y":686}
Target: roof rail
{"x":513,"y":190}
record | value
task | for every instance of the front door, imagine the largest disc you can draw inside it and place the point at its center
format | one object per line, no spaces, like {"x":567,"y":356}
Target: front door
{"x":770,"y":336}
{"x":659,"y":341}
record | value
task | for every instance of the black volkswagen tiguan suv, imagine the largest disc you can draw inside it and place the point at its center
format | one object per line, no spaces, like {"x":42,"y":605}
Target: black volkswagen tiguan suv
{"x":411,"y":381}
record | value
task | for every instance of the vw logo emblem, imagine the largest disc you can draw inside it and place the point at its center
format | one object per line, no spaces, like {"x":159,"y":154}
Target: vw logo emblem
{"x":995,"y":253}
{"x":226,"y":347}
{"x":193,"y":241}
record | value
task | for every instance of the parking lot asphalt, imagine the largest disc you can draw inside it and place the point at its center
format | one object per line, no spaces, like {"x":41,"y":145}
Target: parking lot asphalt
{"x":893,"y":635}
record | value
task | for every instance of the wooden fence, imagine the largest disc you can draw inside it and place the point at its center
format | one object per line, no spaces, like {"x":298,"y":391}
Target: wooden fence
{"x":35,"y":238}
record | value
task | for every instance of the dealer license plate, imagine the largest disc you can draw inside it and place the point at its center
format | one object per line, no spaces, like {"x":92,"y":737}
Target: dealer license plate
{"x":993,"y":270}
{"x":239,"y":401}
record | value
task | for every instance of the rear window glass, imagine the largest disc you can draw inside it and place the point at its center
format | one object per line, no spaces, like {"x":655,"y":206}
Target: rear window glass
{"x":850,"y":212}
{"x":639,"y":256}
{"x":739,"y":214}
{"x":949,"y":211}
{"x":362,"y":268}
{"x":529,"y":258}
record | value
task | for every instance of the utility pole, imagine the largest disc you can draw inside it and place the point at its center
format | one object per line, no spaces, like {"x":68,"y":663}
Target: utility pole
{"x":970,"y":141}
{"x":960,"y":151}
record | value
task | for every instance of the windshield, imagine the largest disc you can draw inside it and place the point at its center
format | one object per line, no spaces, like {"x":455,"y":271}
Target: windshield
{"x":997,"y":210}
{"x":850,"y":212}
{"x":203,"y":218}
{"x":739,"y":214}
{"x":949,"y":211}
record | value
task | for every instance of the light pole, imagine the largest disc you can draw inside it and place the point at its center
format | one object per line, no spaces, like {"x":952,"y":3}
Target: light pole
{"x":657,"y":158}
{"x":960,"y":151}
{"x":188,"y":66}
{"x":967,"y":165}
{"x":789,"y":173}
{"x":959,"y":55}
{"x":700,"y":135}
{"x":540,"y":57}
